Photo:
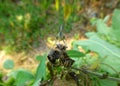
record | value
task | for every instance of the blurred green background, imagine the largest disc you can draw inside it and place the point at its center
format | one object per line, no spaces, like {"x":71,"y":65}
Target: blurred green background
{"x":23,"y":23}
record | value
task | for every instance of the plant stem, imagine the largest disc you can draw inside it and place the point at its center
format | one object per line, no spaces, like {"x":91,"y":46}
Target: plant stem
{"x":84,"y":70}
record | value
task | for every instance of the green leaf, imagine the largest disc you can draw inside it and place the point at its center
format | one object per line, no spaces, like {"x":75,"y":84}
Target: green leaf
{"x":8,"y":64}
{"x":57,"y":4}
{"x":110,"y":33}
{"x":109,"y":52}
{"x":106,"y":18}
{"x":37,"y":83}
{"x":102,"y":28}
{"x":10,"y":81}
{"x":75,"y":53}
{"x":116,"y":19}
{"x":23,"y":77}
{"x":116,"y":25}
{"x":41,"y":69}
{"x":38,"y":57}
{"x":107,"y":83}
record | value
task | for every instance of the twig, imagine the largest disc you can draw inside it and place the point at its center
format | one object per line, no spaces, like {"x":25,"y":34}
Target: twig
{"x":97,"y":74}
